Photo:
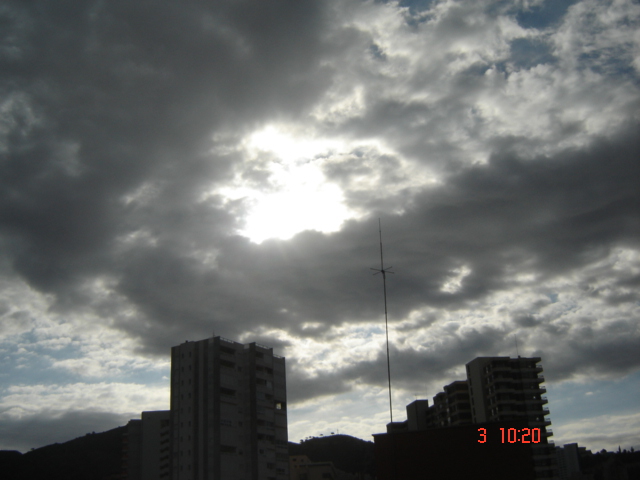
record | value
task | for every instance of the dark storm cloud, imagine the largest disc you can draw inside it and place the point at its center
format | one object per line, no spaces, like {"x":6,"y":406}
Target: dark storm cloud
{"x":413,"y":369}
{"x":103,"y":98}
{"x":548,"y":216}
{"x":302,"y":386}
{"x":584,"y":346}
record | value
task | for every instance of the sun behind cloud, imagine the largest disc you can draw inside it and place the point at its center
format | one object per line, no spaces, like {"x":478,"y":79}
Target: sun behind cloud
{"x":297,"y":196}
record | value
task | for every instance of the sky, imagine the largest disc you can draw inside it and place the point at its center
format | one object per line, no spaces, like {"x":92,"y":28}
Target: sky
{"x":171,"y":171}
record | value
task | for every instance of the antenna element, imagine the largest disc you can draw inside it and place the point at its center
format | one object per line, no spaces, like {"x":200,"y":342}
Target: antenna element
{"x":384,"y":272}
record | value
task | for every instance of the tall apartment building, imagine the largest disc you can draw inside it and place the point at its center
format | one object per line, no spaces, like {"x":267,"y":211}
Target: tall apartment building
{"x":228,"y":412}
{"x":503,"y":388}
{"x":507,"y":389}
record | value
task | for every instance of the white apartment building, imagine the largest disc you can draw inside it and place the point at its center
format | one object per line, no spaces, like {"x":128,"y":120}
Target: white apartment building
{"x":228,"y":412}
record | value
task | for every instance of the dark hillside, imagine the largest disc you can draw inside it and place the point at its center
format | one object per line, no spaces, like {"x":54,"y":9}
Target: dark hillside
{"x":95,"y":456}
{"x":98,"y":456}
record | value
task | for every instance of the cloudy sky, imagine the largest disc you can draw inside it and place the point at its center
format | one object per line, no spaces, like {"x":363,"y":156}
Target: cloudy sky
{"x":171,"y":170}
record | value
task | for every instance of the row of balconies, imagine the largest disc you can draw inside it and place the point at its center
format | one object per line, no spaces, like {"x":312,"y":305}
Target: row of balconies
{"x":510,"y":407}
{"x":496,"y":380}
{"x":524,"y":366}
{"x":516,"y":387}
{"x":518,"y":398}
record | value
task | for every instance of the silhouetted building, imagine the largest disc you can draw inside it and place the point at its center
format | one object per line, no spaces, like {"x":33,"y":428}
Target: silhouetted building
{"x":464,"y":452}
{"x":146,"y":447}
{"x":228,"y":412}
{"x":301,"y":468}
{"x":569,"y":460}
{"x":417,"y":415}
{"x":504,"y":388}
{"x":497,"y":389}
{"x":450,"y":407}
{"x":507,"y":389}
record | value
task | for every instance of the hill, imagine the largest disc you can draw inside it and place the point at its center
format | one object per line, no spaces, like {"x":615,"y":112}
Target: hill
{"x":96,"y":456}
{"x":349,"y":454}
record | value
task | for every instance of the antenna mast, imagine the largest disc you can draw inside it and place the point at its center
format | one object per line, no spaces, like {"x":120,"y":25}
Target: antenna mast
{"x":384,"y":272}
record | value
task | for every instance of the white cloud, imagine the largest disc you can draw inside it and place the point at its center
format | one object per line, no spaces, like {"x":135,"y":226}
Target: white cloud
{"x":23,"y":401}
{"x":603,"y":431}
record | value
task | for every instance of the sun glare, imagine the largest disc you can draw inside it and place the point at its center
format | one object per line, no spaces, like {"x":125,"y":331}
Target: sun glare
{"x":289,"y":147}
{"x":306,"y":202}
{"x":298,"y":196}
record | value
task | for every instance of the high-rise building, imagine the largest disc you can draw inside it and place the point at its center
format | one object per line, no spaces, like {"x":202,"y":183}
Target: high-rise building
{"x":228,"y":412}
{"x":509,"y":389}
{"x":503,"y":388}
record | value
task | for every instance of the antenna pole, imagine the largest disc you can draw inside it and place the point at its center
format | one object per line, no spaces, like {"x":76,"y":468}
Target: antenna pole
{"x":517,"y":352}
{"x":384,"y":272}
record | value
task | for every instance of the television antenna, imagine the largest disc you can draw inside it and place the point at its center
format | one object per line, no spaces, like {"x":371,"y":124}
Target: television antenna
{"x":384,"y":272}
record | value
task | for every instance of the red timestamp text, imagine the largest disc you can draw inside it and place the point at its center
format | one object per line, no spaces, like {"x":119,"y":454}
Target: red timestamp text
{"x":514,"y":435}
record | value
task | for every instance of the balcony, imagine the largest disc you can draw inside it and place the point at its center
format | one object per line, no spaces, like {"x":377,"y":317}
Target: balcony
{"x":536,"y":369}
{"x":535,"y":389}
{"x":500,"y":367}
{"x":533,"y":423}
{"x":537,"y":402}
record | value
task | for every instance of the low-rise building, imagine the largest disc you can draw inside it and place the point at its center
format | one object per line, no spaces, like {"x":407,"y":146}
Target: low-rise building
{"x":146,"y":447}
{"x":302,"y":468}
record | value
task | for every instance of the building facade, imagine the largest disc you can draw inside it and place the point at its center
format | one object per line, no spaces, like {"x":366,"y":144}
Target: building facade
{"x":509,"y":389}
{"x":228,"y":412}
{"x":146,"y":447}
{"x":503,"y":388}
{"x":452,"y":453}
{"x":497,"y":389}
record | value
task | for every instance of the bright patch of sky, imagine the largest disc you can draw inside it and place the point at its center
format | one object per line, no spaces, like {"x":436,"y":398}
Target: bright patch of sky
{"x":298,"y":195}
